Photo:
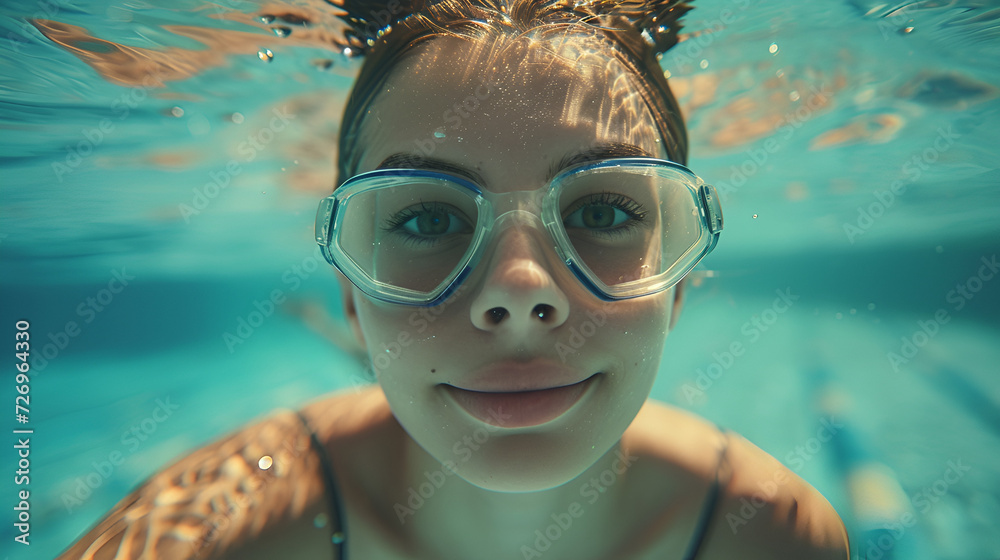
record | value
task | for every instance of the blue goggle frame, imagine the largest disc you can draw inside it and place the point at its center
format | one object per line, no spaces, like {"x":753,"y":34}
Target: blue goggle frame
{"x":330,"y":217}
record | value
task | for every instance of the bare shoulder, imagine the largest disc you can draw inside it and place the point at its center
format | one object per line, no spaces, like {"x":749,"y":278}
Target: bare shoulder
{"x":364,"y":443}
{"x":768,"y":511}
{"x":212,"y":502}
{"x":764,"y":510}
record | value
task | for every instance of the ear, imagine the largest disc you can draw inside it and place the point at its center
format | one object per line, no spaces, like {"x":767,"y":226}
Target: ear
{"x":678,"y":302}
{"x":350,"y":309}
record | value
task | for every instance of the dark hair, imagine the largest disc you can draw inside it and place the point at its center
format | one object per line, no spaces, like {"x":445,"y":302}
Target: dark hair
{"x":634,"y":33}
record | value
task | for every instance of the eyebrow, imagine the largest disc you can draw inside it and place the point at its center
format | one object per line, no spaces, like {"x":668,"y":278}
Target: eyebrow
{"x":594,"y":153}
{"x":598,"y":152}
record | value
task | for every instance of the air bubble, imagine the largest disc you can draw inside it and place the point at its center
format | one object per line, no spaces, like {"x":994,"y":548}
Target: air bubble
{"x":439,"y":133}
{"x":237,"y":118}
{"x":282,"y":31}
{"x":265,"y":462}
{"x":773,"y":49}
{"x":266,"y":18}
{"x":265,"y":55}
{"x":177,"y":112}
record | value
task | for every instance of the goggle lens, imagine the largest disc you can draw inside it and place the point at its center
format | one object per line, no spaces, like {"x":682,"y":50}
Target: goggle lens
{"x":410,"y":235}
{"x":629,"y":225}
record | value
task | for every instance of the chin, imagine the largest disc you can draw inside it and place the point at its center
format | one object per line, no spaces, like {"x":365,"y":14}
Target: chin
{"x":527,"y":462}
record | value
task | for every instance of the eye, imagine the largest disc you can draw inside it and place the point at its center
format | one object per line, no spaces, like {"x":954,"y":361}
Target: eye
{"x":604,"y":211}
{"x":594,"y":216}
{"x":429,"y":220}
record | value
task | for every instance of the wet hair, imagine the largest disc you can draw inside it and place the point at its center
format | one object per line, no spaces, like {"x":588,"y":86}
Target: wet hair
{"x":633,"y":32}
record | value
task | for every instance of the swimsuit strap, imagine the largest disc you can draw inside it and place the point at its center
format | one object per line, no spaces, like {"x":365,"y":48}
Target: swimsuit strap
{"x":339,"y":537}
{"x":711,"y":502}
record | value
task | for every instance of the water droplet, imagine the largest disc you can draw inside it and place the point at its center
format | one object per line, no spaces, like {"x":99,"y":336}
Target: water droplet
{"x":659,"y":57}
{"x":755,"y":216}
{"x":265,"y":462}
{"x":265,"y":55}
{"x":177,"y":111}
{"x":703,"y":63}
{"x":773,"y":49}
{"x":347,"y":51}
{"x":281,"y":31}
{"x":871,"y":307}
{"x":794,"y":96}
{"x":853,"y":311}
{"x":319,"y":521}
{"x":906,"y":30}
{"x":337,"y":538}
{"x":666,"y":74}
{"x":439,"y":133}
{"x":839,"y":315}
{"x":266,"y":18}
{"x":236,"y":118}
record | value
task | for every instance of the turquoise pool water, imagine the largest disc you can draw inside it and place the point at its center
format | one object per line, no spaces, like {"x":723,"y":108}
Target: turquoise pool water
{"x":147,"y":214}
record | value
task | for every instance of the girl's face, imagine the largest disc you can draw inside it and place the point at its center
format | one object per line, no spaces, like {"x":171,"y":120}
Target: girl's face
{"x":521,"y":320}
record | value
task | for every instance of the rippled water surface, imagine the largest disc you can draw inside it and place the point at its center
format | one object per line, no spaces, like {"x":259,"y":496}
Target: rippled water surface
{"x":160,"y":165}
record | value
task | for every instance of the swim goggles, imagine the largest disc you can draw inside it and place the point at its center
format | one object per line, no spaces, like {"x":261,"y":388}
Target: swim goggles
{"x":625,"y":227}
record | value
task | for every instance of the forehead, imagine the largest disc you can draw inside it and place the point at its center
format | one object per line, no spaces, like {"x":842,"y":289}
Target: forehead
{"x":507,"y":110}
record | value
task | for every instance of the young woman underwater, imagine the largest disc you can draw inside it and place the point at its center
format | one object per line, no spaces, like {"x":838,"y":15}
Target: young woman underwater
{"x":515,"y":167}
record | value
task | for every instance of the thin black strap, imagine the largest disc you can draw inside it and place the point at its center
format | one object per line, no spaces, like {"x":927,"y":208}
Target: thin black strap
{"x":339,"y":536}
{"x":711,"y":502}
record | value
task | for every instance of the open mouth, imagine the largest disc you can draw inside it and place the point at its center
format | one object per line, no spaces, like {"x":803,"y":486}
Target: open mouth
{"x":520,"y":409}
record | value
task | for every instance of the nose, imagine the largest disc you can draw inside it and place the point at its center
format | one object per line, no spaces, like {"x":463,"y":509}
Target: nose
{"x":519,"y":295}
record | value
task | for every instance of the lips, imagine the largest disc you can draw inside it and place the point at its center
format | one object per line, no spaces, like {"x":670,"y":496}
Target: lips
{"x":543,"y":401}
{"x":516,"y":377}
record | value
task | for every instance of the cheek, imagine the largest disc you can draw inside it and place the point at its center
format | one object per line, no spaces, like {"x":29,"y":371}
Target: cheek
{"x":388,"y":335}
{"x":408,"y":344}
{"x":643,"y":321}
{"x":636,"y":334}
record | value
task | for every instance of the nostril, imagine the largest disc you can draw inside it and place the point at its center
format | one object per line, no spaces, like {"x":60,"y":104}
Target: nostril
{"x":497,"y":314}
{"x":544,"y":311}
